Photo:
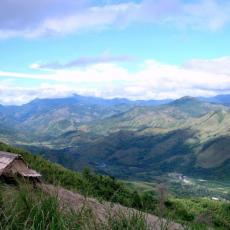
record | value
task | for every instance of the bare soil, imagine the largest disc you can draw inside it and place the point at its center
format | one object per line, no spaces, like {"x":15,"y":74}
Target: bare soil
{"x":103,"y":210}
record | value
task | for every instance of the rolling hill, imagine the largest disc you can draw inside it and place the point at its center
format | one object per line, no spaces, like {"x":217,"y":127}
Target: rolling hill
{"x":52,"y":117}
{"x":130,"y":140}
{"x":158,"y":119}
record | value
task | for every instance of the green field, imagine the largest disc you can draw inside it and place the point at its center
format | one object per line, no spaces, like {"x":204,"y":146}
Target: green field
{"x":188,"y":187}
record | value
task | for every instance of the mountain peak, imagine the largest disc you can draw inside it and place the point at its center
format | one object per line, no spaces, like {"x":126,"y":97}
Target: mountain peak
{"x":186,"y":99}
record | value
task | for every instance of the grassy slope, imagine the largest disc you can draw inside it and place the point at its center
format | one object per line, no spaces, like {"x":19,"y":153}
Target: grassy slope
{"x":24,"y":207}
{"x":103,"y":187}
{"x":182,"y":210}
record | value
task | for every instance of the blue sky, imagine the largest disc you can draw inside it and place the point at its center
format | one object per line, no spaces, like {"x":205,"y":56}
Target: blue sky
{"x":135,"y":49}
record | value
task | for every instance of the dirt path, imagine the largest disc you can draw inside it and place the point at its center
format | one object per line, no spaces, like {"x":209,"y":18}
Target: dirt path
{"x":102,"y":210}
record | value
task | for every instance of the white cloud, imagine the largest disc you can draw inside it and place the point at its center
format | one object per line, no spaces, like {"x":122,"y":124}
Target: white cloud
{"x":81,"y":62}
{"x":37,"y":18}
{"x":11,"y":94}
{"x":152,"y":80}
{"x":212,"y":14}
{"x":218,"y":65}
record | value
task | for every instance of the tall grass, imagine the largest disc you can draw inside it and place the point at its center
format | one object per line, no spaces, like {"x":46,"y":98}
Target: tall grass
{"x":24,"y":207}
{"x":134,"y":220}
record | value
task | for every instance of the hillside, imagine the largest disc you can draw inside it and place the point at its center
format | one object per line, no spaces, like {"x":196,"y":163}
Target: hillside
{"x":126,"y":139}
{"x":156,"y":119}
{"x":187,"y":136}
{"x":23,"y":206}
{"x":52,"y":117}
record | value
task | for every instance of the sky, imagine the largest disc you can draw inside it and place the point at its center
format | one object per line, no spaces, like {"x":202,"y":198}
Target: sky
{"x":135,"y":49}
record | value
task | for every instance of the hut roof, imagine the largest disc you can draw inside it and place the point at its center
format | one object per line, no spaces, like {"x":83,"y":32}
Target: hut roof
{"x":6,"y":159}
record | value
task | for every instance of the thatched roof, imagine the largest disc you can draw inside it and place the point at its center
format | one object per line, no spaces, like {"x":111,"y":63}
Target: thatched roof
{"x":14,"y":164}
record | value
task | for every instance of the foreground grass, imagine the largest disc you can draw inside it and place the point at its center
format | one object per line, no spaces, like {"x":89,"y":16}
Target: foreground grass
{"x":24,"y":207}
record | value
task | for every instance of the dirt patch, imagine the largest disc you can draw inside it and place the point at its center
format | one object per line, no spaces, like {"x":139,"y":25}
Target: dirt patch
{"x":103,"y":210}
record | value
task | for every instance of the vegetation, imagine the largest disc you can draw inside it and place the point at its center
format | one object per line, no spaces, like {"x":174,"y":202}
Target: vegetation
{"x":87,"y":183}
{"x":27,"y":208}
{"x":200,"y":212}
{"x":22,"y":207}
{"x":188,"y":135}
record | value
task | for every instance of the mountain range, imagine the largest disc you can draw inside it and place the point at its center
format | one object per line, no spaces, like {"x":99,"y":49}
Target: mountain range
{"x":127,"y":139}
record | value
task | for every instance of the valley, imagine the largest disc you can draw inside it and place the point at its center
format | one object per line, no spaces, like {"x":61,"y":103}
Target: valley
{"x":130,"y":140}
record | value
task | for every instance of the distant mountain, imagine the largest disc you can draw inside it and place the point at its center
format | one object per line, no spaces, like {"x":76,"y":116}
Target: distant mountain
{"x":162,"y":118}
{"x":188,"y":135}
{"x":219,"y":99}
{"x":90,"y":100}
{"x":52,"y":117}
{"x":127,"y":139}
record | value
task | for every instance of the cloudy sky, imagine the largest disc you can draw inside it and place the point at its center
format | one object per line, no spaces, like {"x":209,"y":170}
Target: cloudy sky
{"x":137,"y":49}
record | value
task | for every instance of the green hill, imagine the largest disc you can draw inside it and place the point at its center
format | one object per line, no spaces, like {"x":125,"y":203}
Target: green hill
{"x":25,"y":207}
{"x":187,"y":136}
{"x":129,"y":141}
{"x":156,"y":119}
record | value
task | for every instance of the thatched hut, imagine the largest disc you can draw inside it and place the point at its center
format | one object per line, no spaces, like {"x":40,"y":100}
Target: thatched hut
{"x":12,"y":165}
